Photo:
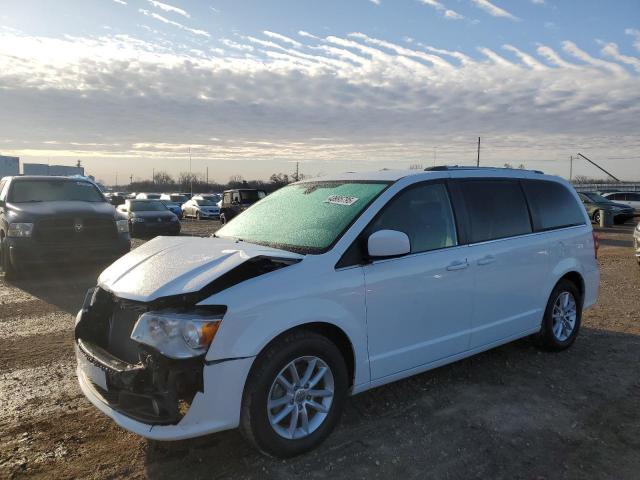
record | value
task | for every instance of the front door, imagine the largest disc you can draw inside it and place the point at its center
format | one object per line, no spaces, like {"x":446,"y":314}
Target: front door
{"x":419,"y":305}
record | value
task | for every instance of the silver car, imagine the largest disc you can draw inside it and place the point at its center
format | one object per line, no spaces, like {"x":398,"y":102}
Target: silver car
{"x":201,"y":209}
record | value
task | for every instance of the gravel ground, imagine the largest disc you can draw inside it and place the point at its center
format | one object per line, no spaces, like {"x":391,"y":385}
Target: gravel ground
{"x":512,"y":412}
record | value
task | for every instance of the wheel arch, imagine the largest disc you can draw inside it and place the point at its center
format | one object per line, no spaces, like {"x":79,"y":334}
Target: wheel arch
{"x":331,"y":331}
{"x":575,"y":278}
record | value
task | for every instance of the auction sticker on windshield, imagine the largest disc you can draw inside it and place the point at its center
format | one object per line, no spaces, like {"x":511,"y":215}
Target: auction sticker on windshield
{"x":341,"y":200}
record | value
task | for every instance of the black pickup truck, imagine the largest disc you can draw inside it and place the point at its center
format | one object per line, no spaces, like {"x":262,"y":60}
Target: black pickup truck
{"x":46,"y":220}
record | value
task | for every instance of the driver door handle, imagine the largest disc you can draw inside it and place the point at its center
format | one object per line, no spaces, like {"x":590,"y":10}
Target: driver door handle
{"x":458,"y":265}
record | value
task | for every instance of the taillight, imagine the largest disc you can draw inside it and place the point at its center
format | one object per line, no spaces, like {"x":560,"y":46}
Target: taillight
{"x":596,"y":244}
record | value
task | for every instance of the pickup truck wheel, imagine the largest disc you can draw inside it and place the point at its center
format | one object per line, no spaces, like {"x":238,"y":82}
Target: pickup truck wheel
{"x":10,"y":272}
{"x":223,"y":219}
{"x":596,"y":217}
{"x":294,"y":395}
{"x":562,"y":317}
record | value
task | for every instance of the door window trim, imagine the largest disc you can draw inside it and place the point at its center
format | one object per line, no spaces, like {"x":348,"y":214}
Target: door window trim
{"x":359,"y":241}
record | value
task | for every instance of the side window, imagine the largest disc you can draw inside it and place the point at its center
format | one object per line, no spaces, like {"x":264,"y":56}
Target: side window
{"x":236,"y":197}
{"x":424,"y":213}
{"x":616,"y":196}
{"x":552,"y":205}
{"x":496,"y":209}
{"x":226,"y":199}
{"x":3,"y":193}
{"x":584,"y":198}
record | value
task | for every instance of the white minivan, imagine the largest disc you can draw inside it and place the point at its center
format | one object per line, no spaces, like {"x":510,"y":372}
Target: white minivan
{"x":330,"y":287}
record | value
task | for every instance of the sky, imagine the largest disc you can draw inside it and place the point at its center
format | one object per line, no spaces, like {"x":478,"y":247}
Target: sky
{"x":251,"y":87}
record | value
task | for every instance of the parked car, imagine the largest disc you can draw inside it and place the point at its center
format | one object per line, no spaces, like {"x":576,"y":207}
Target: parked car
{"x":201,"y":209}
{"x":213,"y":197}
{"x":594,"y":202}
{"x":150,"y":218}
{"x":174,"y":208}
{"x":235,"y":202}
{"x":631,"y":199}
{"x":178,"y":198}
{"x":115,"y":200}
{"x":47,"y":220}
{"x":331,"y":287}
{"x":148,"y":196}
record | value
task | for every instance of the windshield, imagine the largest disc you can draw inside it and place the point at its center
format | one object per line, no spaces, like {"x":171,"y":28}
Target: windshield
{"x":178,"y":198}
{"x":205,"y":203}
{"x":23,"y":191}
{"x":147,"y":206}
{"x":251,"y":196}
{"x":597,"y":198}
{"x":170,"y":204}
{"x":305,"y":218}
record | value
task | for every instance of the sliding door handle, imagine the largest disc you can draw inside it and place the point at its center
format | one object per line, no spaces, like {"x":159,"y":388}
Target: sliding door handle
{"x":487,"y":260}
{"x":458,"y":265}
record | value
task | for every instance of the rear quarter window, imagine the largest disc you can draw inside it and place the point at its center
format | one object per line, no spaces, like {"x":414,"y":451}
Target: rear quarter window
{"x":552,"y":205}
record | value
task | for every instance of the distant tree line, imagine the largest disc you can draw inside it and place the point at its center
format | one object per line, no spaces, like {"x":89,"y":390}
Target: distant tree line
{"x":185,"y":182}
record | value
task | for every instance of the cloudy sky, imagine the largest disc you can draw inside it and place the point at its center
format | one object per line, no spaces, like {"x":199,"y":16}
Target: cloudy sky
{"x":254,"y":86}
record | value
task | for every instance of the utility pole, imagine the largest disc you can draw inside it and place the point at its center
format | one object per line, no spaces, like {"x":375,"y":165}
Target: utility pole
{"x":116,"y":180}
{"x":570,"y":167}
{"x":130,"y":179}
{"x":478,"y":161}
{"x":153,"y":176}
{"x":190,"y":174}
{"x":297,"y":171}
{"x":207,"y":175}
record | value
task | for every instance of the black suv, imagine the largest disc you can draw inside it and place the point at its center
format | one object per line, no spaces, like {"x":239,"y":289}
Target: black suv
{"x":235,"y":201}
{"x":56,"y":220}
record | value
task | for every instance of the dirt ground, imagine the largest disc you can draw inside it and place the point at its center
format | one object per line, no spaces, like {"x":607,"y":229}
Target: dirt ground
{"x":513,"y":412}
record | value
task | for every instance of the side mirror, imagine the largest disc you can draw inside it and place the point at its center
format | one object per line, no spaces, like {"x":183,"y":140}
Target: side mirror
{"x":388,"y":243}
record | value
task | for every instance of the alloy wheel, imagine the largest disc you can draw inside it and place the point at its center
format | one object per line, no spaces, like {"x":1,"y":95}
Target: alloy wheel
{"x":300,"y":397}
{"x":565,"y":314}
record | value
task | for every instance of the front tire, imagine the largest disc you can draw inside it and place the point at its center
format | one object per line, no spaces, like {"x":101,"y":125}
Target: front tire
{"x":562,"y":317}
{"x":294,"y":395}
{"x":10,"y":272}
{"x":596,"y":217}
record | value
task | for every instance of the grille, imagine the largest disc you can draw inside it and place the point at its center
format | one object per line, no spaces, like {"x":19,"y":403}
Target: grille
{"x":119,"y":342}
{"x":69,"y":231}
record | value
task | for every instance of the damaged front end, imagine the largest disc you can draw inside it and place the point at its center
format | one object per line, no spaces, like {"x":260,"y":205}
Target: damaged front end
{"x":134,"y":378}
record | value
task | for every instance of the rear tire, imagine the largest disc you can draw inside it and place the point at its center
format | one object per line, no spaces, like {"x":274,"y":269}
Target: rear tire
{"x":307,"y":418}
{"x":562,"y":318}
{"x":223,"y":219}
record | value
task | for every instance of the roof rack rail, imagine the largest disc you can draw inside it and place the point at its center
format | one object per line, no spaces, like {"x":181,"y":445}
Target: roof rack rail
{"x":444,"y":168}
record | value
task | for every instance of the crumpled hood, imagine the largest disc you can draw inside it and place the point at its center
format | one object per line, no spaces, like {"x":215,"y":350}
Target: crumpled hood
{"x":168,"y":266}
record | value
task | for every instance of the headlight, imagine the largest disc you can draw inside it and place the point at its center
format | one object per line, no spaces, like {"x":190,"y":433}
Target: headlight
{"x":137,"y":219}
{"x":176,"y":335}
{"x":20,"y":229}
{"x":123,"y":226}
